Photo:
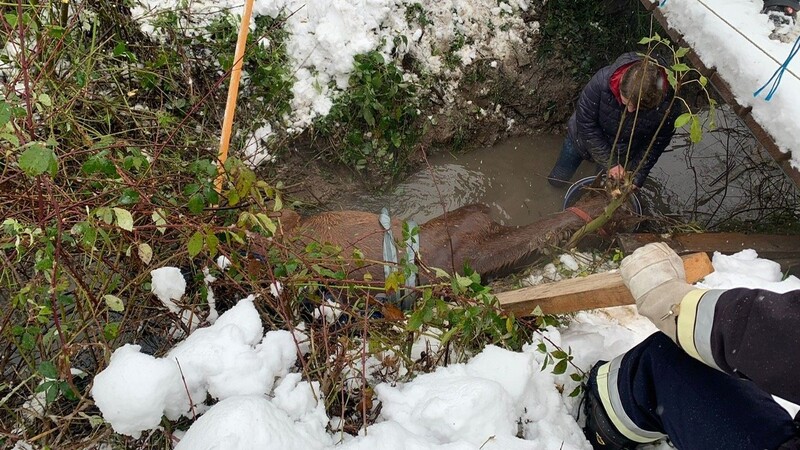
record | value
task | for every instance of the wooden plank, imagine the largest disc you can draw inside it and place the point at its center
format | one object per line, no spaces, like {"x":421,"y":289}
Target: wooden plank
{"x":598,"y":290}
{"x":769,"y":246}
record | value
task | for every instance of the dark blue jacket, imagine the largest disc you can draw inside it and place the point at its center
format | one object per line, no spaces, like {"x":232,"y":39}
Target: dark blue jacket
{"x":593,"y":127}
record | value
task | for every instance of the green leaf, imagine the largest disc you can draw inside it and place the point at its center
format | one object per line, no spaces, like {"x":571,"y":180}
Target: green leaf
{"x":5,"y":113}
{"x":11,"y":19}
{"x":576,"y":377}
{"x":683,"y":119}
{"x":645,"y":40}
{"x":560,"y":367}
{"x":696,"y":131}
{"x":441,"y":273}
{"x":145,"y":253}
{"x":673,"y":81}
{"x":415,"y":321}
{"x":368,"y":117}
{"x":67,"y":391}
{"x":195,"y":244}
{"x":13,"y":140}
{"x":160,"y":219}
{"x":124,"y":219}
{"x":99,"y":163}
{"x":38,"y":159}
{"x":577,"y":391}
{"x":680,"y":67}
{"x":51,"y":392}
{"x":114,"y":303}
{"x":212,"y":242}
{"x":48,"y":370}
{"x":681,"y":52}
{"x":105,"y":214}
{"x":463,"y":281}
{"x":703,"y":81}
{"x":266,"y":223}
{"x":45,"y":100}
{"x":233,"y":197}
{"x":129,"y":197}
{"x":111,"y":330}
{"x":196,"y":203}
{"x":559,"y":354}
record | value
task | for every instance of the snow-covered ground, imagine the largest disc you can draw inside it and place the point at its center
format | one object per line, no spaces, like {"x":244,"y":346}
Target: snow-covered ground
{"x":325,"y":35}
{"x":497,"y":400}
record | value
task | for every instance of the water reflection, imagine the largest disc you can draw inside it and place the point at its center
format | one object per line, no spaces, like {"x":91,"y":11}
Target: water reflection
{"x":712,"y":182}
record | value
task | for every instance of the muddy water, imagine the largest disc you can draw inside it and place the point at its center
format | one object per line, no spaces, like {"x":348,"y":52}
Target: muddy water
{"x":725,"y":176}
{"x":509,"y":177}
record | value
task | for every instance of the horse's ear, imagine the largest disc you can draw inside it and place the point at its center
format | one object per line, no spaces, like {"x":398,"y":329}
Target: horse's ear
{"x":288,"y":220}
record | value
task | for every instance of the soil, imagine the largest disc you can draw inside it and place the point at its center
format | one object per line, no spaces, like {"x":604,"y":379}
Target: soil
{"x":525,"y":94}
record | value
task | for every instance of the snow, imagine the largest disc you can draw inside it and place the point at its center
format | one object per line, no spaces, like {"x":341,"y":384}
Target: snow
{"x":499,"y":399}
{"x":325,"y":35}
{"x":233,"y":357}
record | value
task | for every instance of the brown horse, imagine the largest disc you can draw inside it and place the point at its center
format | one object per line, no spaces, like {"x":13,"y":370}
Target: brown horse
{"x":467,"y":235}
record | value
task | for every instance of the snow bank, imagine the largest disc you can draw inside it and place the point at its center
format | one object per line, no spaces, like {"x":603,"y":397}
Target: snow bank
{"x":497,"y":400}
{"x":325,"y":35}
{"x":245,"y":423}
{"x":230,"y":358}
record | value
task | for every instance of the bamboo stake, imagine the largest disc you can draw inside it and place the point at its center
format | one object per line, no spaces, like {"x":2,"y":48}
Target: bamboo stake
{"x":233,"y":92}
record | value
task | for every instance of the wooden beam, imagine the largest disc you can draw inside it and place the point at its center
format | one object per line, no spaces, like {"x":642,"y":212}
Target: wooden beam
{"x":599,"y":290}
{"x":724,"y":91}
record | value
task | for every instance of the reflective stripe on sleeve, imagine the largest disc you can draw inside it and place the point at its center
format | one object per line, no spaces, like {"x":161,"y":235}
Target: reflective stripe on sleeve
{"x":695,"y":321}
{"x":612,"y":404}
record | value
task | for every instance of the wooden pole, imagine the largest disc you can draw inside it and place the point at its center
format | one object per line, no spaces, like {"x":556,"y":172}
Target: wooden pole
{"x":599,"y":290}
{"x":233,"y":92}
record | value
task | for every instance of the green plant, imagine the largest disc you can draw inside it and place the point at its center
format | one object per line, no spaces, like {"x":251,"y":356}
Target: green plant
{"x":588,"y":35}
{"x":372,"y":124}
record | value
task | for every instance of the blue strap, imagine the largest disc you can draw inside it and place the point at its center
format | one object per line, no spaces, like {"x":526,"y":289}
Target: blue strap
{"x":779,"y":73}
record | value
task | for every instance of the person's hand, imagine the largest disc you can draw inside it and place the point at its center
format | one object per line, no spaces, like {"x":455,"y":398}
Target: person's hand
{"x":656,"y":278}
{"x":617,"y":172}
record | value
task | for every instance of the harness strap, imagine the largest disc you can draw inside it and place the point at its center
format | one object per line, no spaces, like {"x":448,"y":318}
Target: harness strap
{"x":580,"y":213}
{"x":586,"y":218}
{"x":390,"y":250}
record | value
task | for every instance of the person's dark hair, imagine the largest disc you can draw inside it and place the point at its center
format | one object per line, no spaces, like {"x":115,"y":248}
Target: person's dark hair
{"x":645,"y":78}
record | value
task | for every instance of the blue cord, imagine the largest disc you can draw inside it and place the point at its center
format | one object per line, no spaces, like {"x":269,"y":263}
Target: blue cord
{"x":663,"y":2}
{"x":779,"y":73}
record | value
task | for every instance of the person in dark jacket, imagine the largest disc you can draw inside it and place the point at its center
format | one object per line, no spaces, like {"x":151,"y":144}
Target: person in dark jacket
{"x":634,"y":90}
{"x":705,"y":379}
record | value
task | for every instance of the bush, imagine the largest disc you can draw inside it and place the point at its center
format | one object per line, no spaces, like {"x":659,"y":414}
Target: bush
{"x":372,"y":126}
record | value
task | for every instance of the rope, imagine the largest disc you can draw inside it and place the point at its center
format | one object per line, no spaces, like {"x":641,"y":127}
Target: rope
{"x":703,"y":3}
{"x":778,"y":75}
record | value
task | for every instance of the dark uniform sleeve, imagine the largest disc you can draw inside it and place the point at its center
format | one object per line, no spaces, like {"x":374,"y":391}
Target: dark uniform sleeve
{"x":588,"y":121}
{"x":753,"y":334}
